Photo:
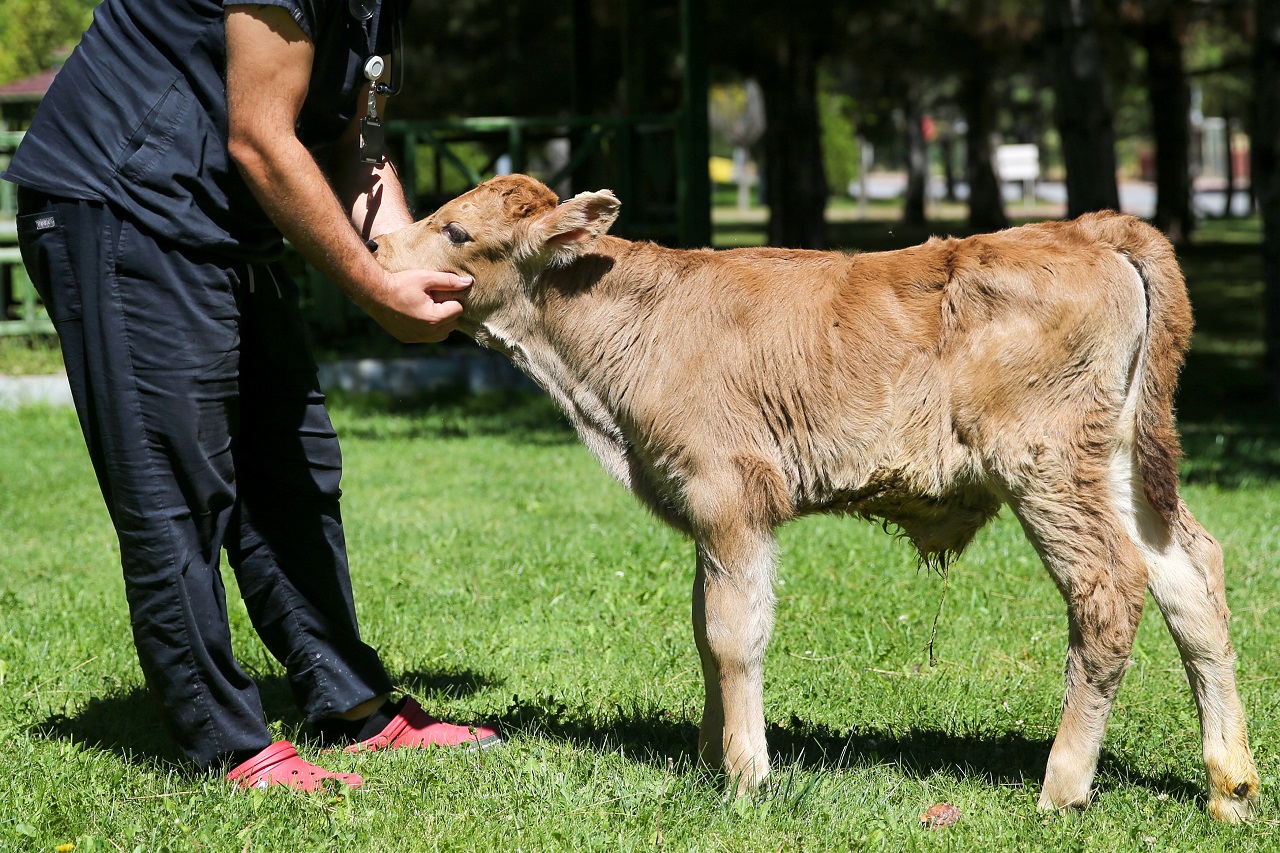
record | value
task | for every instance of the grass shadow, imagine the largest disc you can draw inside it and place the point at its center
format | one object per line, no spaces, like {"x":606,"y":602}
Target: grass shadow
{"x":129,"y":725}
{"x":522,"y":416}
{"x":443,"y":685}
{"x":660,"y":740}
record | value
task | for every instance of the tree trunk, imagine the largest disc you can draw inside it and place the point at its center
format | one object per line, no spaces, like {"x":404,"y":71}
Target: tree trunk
{"x":1082,"y":106}
{"x":986,"y":207}
{"x":1265,"y":171}
{"x":1229,"y":192}
{"x":794,"y":175}
{"x":947,"y":144}
{"x":1170,"y":120}
{"x":913,"y":208}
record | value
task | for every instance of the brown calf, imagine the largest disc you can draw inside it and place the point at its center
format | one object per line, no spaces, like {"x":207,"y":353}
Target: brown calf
{"x":734,"y":391}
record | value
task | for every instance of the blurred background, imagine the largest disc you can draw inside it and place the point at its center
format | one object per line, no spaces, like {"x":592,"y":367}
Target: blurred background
{"x":846,"y":124}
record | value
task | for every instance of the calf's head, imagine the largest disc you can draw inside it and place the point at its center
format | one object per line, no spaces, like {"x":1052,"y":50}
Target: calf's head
{"x":503,"y":234}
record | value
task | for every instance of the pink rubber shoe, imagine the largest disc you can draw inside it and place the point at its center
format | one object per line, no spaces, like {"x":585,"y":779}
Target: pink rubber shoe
{"x":280,"y":764}
{"x":413,"y":728}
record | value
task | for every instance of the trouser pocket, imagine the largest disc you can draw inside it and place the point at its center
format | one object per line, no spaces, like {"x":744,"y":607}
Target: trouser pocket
{"x":44,"y":236}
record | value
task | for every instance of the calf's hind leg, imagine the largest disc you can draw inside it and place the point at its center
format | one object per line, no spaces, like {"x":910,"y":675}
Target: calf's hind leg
{"x":1187,"y":584}
{"x":732,"y":619}
{"x":1102,"y":576}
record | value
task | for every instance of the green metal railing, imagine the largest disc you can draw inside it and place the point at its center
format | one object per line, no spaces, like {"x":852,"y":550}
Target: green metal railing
{"x":644,"y":159}
{"x":655,"y":163}
{"x":636,"y":156}
{"x":21,"y":312}
{"x":9,"y":140}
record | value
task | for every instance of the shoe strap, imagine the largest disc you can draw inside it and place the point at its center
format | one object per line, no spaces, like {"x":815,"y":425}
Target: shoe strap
{"x":271,"y":757}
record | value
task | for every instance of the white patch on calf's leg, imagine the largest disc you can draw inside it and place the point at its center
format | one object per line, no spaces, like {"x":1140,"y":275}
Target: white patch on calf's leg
{"x":1185,"y":577}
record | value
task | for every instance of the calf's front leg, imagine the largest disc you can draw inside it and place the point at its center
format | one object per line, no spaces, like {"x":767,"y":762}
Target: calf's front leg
{"x":732,"y":617}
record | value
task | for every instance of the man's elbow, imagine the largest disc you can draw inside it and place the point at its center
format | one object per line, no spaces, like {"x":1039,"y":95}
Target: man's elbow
{"x":249,"y":153}
{"x":260,"y":154}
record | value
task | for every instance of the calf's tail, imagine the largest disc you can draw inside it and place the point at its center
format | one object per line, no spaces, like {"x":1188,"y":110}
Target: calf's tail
{"x":1168,"y":336}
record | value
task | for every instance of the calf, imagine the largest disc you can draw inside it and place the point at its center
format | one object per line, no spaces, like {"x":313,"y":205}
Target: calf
{"x":733,"y":391}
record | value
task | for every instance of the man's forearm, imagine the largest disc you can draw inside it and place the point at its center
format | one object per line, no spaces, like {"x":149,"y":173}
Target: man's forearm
{"x":377,"y":203}
{"x":372,"y":193}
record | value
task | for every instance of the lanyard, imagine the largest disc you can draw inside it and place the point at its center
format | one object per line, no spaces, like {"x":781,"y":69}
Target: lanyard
{"x":372,"y":137}
{"x":363,"y":11}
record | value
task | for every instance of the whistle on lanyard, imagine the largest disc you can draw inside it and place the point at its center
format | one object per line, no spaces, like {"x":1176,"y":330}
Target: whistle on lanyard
{"x":372,"y":136}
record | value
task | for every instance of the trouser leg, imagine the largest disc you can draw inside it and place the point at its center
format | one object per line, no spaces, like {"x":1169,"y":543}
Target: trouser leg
{"x":286,"y":541}
{"x":150,"y":339}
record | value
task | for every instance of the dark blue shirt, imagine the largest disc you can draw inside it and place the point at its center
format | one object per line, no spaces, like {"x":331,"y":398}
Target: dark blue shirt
{"x":137,"y":117}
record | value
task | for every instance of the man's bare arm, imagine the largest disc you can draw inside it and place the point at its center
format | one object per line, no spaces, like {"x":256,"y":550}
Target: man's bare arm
{"x":268,"y":72}
{"x":371,"y":193}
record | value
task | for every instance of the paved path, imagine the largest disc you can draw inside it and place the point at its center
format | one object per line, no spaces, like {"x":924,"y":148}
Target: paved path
{"x":1136,"y":197}
{"x":476,"y":370}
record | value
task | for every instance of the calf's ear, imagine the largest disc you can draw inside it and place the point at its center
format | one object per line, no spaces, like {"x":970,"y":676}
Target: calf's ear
{"x":570,"y":230}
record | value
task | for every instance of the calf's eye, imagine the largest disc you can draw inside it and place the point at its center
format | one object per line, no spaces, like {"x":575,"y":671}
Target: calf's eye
{"x":455,"y":233}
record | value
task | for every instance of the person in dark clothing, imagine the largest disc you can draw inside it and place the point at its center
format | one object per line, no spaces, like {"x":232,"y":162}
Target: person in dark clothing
{"x":178,"y":145}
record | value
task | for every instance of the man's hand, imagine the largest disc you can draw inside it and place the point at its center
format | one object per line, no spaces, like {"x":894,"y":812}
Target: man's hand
{"x":419,"y":307}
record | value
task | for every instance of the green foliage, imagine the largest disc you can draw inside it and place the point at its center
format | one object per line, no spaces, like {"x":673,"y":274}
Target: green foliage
{"x":1218,"y":52}
{"x":29,"y":355}
{"x":453,"y":181}
{"x":840,"y":147}
{"x":33,"y":33}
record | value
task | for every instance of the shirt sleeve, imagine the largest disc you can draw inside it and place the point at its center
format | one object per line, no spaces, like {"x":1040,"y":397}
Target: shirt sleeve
{"x":306,"y":13}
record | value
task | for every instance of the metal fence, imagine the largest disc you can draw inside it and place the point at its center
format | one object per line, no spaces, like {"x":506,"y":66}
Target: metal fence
{"x":21,"y":312}
{"x":639,"y":157}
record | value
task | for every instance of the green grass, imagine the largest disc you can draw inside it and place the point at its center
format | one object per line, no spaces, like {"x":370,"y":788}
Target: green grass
{"x":504,"y":577}
{"x":29,"y":355}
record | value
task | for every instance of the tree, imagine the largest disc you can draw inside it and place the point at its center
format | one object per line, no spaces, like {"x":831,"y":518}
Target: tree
{"x":882,"y":38}
{"x":782,"y":45}
{"x":736,"y":112}
{"x":982,"y":40}
{"x":795,"y":174}
{"x":1082,"y":105}
{"x":1266,"y":178}
{"x":913,"y":207}
{"x":34,"y":32}
{"x":492,"y":57}
{"x":986,"y":205}
{"x":1218,"y":61}
{"x":1162,"y":33}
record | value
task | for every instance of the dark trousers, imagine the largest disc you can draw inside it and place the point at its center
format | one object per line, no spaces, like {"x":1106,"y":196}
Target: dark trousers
{"x":200,"y":407}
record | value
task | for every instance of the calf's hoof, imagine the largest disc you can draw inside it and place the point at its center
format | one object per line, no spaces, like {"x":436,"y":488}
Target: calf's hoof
{"x":1060,"y":801}
{"x":1231,"y":809}
{"x":1234,"y":805}
{"x":1066,"y":786}
{"x":746,"y":777}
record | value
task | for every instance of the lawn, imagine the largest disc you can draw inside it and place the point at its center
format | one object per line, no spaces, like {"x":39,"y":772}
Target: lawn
{"x":505,"y":577}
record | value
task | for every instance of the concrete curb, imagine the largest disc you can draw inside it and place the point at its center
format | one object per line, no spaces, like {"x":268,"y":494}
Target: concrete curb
{"x":476,"y":372}
{"x":17,"y":391}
